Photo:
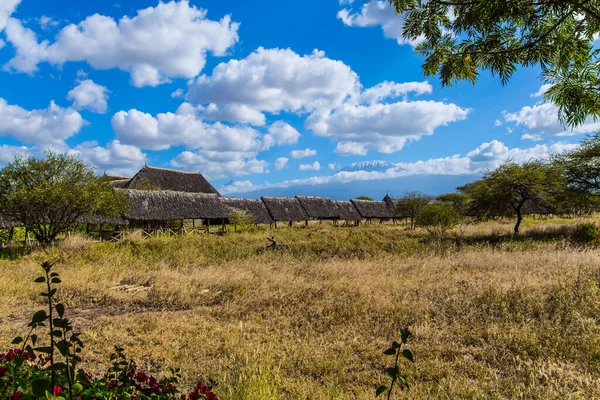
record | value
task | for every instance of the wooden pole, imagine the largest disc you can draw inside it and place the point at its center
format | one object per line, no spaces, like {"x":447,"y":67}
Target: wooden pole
{"x":101,"y":232}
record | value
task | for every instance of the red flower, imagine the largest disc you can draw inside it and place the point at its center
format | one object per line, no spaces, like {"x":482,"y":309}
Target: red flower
{"x":2,"y":371}
{"x":57,"y":390}
{"x":141,"y":377}
{"x":16,"y":396}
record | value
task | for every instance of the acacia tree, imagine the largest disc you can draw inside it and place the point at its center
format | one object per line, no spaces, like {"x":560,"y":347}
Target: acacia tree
{"x":459,"y":39}
{"x":48,"y":195}
{"x":410,"y":204}
{"x":507,"y":190}
{"x":582,"y":166}
{"x":459,"y":202}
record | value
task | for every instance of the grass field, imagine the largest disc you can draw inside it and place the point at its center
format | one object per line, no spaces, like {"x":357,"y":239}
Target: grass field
{"x":492,"y":316}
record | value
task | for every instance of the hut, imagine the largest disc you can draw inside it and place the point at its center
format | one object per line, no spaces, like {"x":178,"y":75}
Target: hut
{"x":392,"y":204}
{"x":320,"y":208}
{"x":372,"y":209}
{"x":169,"y":179}
{"x":254,"y":207}
{"x":112,"y":224}
{"x":155,"y":209}
{"x":347,"y":211}
{"x":285,"y":209}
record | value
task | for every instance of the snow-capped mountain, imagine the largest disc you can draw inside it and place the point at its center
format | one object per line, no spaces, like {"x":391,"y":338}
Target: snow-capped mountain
{"x":370,"y":166}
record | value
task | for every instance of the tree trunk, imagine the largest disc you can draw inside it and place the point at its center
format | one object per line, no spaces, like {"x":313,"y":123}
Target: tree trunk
{"x":519,"y":219}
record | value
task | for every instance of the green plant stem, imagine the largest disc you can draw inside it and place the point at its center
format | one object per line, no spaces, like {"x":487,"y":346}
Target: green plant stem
{"x":52,"y":344}
{"x":68,"y":369}
{"x":395,"y":373}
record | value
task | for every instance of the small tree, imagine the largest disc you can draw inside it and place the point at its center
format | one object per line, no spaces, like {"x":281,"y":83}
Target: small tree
{"x":438,"y":218}
{"x":458,"y":201}
{"x":48,"y":195}
{"x":242,"y":219}
{"x":582,"y":166}
{"x":505,"y":191}
{"x":410,"y":204}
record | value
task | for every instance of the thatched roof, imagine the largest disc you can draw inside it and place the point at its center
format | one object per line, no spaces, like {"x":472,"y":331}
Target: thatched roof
{"x":285,"y":209}
{"x":346,"y":210}
{"x":392,"y":203}
{"x":111,"y":178}
{"x":119,"y":183}
{"x":170,"y":179}
{"x":164,"y":205}
{"x":372,"y":209}
{"x":254,"y":207}
{"x":102,"y":219}
{"x":319,"y":207}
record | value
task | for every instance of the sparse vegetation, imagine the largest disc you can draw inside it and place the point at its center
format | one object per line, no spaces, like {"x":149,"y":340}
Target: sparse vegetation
{"x":494,"y":316}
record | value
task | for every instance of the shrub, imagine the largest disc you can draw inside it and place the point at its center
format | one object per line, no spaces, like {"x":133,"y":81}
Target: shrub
{"x":438,"y":219}
{"x":242,"y":220}
{"x":48,"y":369}
{"x":586,"y":234}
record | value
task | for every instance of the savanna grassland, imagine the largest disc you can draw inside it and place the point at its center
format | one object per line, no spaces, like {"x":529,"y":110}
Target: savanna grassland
{"x":492,"y":316}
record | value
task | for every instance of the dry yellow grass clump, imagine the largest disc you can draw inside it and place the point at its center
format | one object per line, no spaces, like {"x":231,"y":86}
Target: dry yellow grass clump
{"x":492,"y":317}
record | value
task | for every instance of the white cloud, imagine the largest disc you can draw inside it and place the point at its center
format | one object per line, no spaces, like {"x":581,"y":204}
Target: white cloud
{"x":377,"y":13}
{"x":275,"y":80}
{"x":182,"y":128}
{"x":114,"y":159}
{"x":51,"y":125}
{"x":177,"y":94}
{"x":300,"y":154}
{"x":534,"y":137}
{"x":47,"y":22}
{"x":9,"y":153}
{"x":281,"y":163}
{"x":316,"y":166}
{"x":334,"y":166}
{"x":7,"y":7}
{"x":217,"y":165}
{"x":543,"y":89}
{"x":89,"y":95}
{"x":497,"y":123}
{"x":168,"y":41}
{"x":487,"y":155}
{"x":350,"y":148}
{"x":543,"y":119}
{"x":391,"y":90}
{"x":384,"y":127}
{"x":2,"y":43}
{"x":281,"y":133}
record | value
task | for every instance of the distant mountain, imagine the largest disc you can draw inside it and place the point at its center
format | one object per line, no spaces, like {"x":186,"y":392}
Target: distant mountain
{"x":370,"y":166}
{"x":377,"y":189}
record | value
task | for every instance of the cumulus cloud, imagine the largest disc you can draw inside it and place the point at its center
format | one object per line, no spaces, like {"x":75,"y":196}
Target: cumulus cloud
{"x":392,"y":90}
{"x":7,"y":7}
{"x":9,"y":153}
{"x":542,"y":90}
{"x":377,"y":13}
{"x":385,"y":127}
{"x":177,"y":94}
{"x":168,"y":41}
{"x":350,"y":148}
{"x":182,"y":128}
{"x":114,"y":159}
{"x":486,"y":156}
{"x":275,"y":80}
{"x":281,"y":163}
{"x":334,"y":166}
{"x":215,"y":164}
{"x":543,"y":119}
{"x":281,"y":133}
{"x":50,"y":125}
{"x":300,"y":154}
{"x":89,"y":95}
{"x":316,"y":166}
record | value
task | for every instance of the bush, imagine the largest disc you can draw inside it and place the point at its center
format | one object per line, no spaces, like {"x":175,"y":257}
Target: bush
{"x":586,"y":234}
{"x":438,"y":219}
{"x":46,"y":366}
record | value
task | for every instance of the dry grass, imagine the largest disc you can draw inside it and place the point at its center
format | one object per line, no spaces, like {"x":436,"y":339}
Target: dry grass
{"x":492,"y":317}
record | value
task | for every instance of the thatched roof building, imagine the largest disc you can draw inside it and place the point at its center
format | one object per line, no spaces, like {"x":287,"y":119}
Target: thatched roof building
{"x":111,"y":178}
{"x":164,"y":205}
{"x":392,"y":203}
{"x":255,"y":207}
{"x":346,"y":210}
{"x":170,"y":179}
{"x":103,"y":219}
{"x":285,"y":209}
{"x":372,"y":209}
{"x":119,"y":183}
{"x":319,"y":207}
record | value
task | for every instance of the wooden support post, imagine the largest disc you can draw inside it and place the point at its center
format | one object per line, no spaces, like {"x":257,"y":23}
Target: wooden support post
{"x":306,"y":223}
{"x":11,"y":233}
{"x":208,"y":226}
{"x":87,"y":229}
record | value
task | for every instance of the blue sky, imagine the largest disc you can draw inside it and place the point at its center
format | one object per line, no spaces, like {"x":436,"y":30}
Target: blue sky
{"x":253,"y":94}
